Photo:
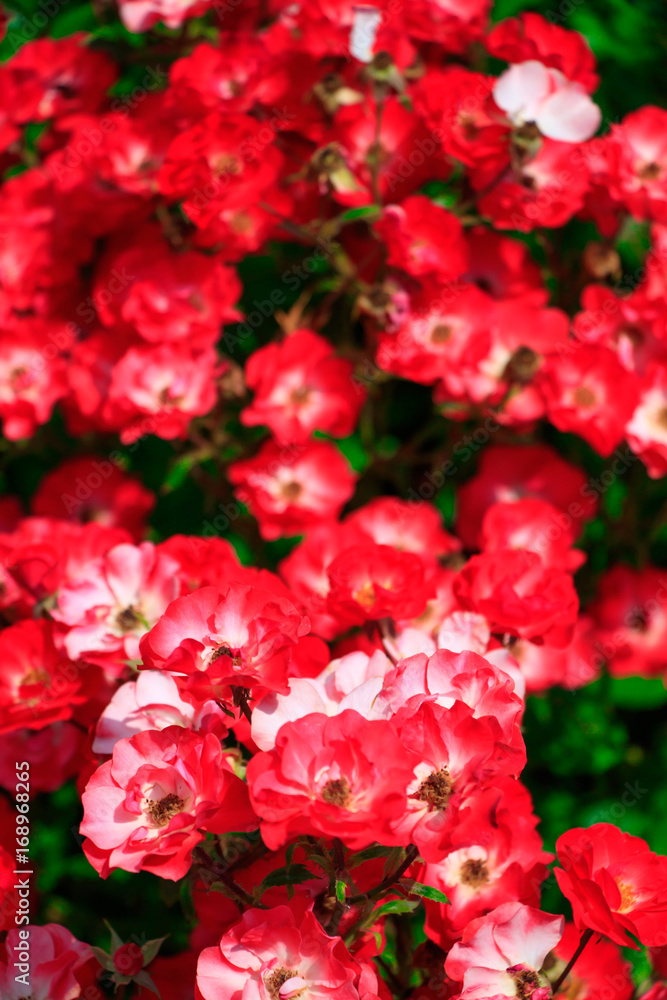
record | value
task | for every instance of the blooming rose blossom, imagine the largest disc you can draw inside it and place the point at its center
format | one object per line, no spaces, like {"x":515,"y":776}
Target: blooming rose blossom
{"x":502,"y":953}
{"x":240,"y":638}
{"x":148,"y":806}
{"x":52,"y":969}
{"x":533,"y":525}
{"x":532,"y":36}
{"x":274,"y":954}
{"x":171,"y":296}
{"x":94,"y":489}
{"x":122,"y":595}
{"x":494,"y":856}
{"x":447,"y":677}
{"x":637,"y":169}
{"x":158,"y":390}
{"x":423,"y":238}
{"x":300,"y":386}
{"x":37,"y":685}
{"x":353,"y":682}
{"x":342,"y":776}
{"x":630,"y":619}
{"x":291,"y":489}
{"x":617,"y":886}
{"x":375,"y":581}
{"x":529,"y":92}
{"x":455,"y":753}
{"x":517,"y":593}
{"x":29,"y":385}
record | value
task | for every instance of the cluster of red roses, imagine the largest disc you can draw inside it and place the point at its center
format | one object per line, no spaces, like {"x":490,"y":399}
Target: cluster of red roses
{"x":157,"y":194}
{"x":375,"y":686}
{"x":411,"y":736}
{"x":372,"y":748}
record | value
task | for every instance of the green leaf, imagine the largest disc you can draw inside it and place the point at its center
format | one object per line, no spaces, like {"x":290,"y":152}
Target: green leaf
{"x":614,"y":499}
{"x":103,"y":958}
{"x":361,"y":213}
{"x":143,"y":979}
{"x":354,"y":452}
{"x":445,"y":501}
{"x":394,"y":858}
{"x":341,"y":890}
{"x":637,"y":692}
{"x":368,"y":854}
{"x":395,"y":906}
{"x":151,"y":948}
{"x":281,"y":876}
{"x":289,"y":859}
{"x":116,"y":941}
{"x":312,"y":852}
{"x":81,"y":18}
{"x":427,"y":891}
{"x":179,"y":472}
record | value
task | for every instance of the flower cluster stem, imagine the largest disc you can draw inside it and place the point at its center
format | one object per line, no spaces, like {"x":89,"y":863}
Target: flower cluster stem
{"x":585,"y":938}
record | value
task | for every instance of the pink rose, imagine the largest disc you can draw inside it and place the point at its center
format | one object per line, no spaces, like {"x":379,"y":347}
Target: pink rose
{"x":148,"y":806}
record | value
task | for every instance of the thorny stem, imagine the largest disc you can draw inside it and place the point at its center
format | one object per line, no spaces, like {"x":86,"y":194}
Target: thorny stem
{"x":585,"y":938}
{"x":341,"y":906}
{"x":244,"y":896}
{"x":289,"y":226}
{"x":386,"y":883}
{"x":364,"y":897}
{"x":375,"y":153}
{"x":221,"y":874}
{"x":339,"y":855}
{"x":336,"y":916}
{"x":246,"y":858}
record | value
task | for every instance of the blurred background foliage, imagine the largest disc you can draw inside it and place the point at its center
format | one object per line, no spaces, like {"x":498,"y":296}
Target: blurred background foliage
{"x":590,"y":752}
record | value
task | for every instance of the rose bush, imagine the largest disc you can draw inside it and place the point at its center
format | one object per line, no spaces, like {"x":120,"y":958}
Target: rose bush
{"x":333,"y":535}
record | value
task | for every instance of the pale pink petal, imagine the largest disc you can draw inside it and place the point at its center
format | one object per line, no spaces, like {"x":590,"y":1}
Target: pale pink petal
{"x":306,"y":695}
{"x":363,"y":697}
{"x":520,"y":90}
{"x":569,"y":115}
{"x":464,"y":630}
